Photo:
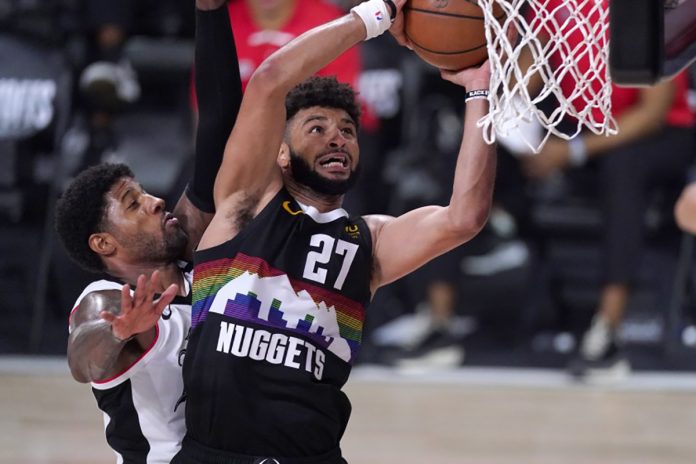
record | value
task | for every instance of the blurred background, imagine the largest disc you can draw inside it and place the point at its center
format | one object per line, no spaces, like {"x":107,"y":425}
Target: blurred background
{"x":85,"y":81}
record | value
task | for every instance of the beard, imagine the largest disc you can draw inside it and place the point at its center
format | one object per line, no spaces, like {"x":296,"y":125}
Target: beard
{"x":165,"y":249}
{"x":303,"y":174}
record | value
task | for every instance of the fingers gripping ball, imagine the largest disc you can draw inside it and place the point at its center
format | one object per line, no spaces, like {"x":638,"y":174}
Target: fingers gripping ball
{"x":448,"y":34}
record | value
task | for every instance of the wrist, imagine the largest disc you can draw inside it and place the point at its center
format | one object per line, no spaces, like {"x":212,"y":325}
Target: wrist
{"x":476,"y":94}
{"x":120,"y":338}
{"x":375,"y":16}
{"x":477,"y":84}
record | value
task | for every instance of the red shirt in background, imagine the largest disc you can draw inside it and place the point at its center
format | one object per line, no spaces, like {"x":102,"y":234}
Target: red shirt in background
{"x":255,"y":45}
{"x":680,"y":114}
{"x":622,"y":97}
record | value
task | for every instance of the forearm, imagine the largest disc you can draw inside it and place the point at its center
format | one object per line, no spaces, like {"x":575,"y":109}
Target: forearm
{"x":643,"y":119}
{"x":219,"y":93}
{"x":474,"y":174}
{"x":634,"y":125}
{"x":249,"y":167}
{"x":93,"y":351}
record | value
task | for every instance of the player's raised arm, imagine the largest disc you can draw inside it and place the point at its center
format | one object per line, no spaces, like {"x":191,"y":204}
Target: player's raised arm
{"x":249,"y":172}
{"x":218,"y":94}
{"x":405,"y":243}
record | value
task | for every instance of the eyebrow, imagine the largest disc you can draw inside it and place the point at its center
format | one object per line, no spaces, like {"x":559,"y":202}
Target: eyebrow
{"x":318,"y":117}
{"x":315,"y":117}
{"x":128,"y":191}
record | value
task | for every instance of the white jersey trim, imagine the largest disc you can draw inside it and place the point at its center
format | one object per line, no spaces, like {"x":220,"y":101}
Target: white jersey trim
{"x":322,"y":218}
{"x":134,"y":368}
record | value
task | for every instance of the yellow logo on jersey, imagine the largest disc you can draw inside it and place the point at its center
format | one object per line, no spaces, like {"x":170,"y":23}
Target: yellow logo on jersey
{"x":353,"y":230}
{"x":286,"y":207}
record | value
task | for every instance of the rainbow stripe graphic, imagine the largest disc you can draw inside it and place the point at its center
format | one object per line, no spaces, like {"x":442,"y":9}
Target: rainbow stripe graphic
{"x":246,"y":304}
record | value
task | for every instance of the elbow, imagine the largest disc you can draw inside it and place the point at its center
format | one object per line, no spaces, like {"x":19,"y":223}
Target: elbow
{"x":81,"y":368}
{"x":77,"y":371}
{"x":269,"y":79}
{"x":470,"y":222}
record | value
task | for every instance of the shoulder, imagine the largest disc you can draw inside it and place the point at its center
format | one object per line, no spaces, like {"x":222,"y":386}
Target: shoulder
{"x":375,"y":223}
{"x":101,"y":295}
{"x":99,"y":285}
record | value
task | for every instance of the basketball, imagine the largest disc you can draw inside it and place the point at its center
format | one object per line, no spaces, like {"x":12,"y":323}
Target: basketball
{"x":448,"y":34}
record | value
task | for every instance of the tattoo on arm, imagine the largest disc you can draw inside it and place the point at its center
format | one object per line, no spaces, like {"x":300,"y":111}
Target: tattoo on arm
{"x":93,"y":350}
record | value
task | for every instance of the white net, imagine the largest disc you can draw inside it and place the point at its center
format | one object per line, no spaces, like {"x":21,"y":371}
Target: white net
{"x":552,"y":77}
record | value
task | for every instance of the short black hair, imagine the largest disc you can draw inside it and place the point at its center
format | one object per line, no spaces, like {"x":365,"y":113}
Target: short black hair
{"x":82,"y":208}
{"x":323,"y":91}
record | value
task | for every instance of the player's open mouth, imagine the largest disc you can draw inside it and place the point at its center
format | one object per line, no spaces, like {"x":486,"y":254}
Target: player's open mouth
{"x":334,"y":160}
{"x":170,"y":220}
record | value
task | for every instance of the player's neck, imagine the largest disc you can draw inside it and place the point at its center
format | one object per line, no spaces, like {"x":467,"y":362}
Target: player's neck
{"x":307,"y":196}
{"x":271,"y":18}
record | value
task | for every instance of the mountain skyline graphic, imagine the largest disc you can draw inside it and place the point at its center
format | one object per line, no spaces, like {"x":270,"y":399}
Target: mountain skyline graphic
{"x":274,"y":301}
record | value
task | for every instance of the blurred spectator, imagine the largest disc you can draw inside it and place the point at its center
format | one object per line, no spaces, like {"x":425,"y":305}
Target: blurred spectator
{"x":108,"y":83}
{"x":380,"y":87}
{"x":263,"y":26}
{"x":653,"y":150}
{"x":439,"y":310}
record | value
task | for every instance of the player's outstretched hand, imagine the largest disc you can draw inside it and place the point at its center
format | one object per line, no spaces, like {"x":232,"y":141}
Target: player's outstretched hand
{"x":470,"y":78}
{"x":139,"y":312}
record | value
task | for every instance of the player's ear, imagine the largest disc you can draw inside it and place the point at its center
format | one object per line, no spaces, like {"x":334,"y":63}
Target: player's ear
{"x":102,"y":243}
{"x":284,"y":156}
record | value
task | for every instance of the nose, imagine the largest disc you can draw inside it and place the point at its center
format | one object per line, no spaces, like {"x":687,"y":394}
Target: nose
{"x":337,"y":139}
{"x":156,"y":204}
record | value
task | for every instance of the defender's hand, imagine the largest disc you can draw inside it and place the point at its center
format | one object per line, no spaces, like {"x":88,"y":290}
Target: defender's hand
{"x":139,"y":312}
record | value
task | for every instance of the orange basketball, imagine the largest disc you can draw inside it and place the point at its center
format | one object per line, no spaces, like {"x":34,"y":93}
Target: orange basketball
{"x":448,"y":34}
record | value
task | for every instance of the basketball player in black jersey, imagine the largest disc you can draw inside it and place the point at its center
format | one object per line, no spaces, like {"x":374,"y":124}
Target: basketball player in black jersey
{"x":128,"y":343}
{"x":282,"y":275}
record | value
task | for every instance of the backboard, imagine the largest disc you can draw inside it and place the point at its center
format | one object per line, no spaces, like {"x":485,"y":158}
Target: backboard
{"x":650,"y":40}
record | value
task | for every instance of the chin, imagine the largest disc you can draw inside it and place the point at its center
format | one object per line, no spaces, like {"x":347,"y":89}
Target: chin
{"x":178,"y":242}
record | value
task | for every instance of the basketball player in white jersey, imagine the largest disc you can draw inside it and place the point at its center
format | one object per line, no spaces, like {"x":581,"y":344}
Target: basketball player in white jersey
{"x":128,"y":331}
{"x":283,"y":274}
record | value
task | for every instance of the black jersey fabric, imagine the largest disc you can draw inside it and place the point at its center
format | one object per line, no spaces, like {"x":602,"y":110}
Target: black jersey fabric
{"x":276,"y":325}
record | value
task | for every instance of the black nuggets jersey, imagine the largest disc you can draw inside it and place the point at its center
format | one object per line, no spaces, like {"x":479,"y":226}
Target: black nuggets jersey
{"x":277,"y":322}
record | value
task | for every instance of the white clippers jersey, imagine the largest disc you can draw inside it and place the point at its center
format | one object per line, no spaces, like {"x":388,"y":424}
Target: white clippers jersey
{"x":143,"y":421}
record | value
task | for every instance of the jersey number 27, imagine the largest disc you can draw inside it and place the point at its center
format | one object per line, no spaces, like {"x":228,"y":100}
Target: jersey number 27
{"x":327,"y":247}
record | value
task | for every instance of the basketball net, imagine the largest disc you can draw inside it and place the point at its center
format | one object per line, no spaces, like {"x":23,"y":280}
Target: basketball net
{"x":561,"y":51}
